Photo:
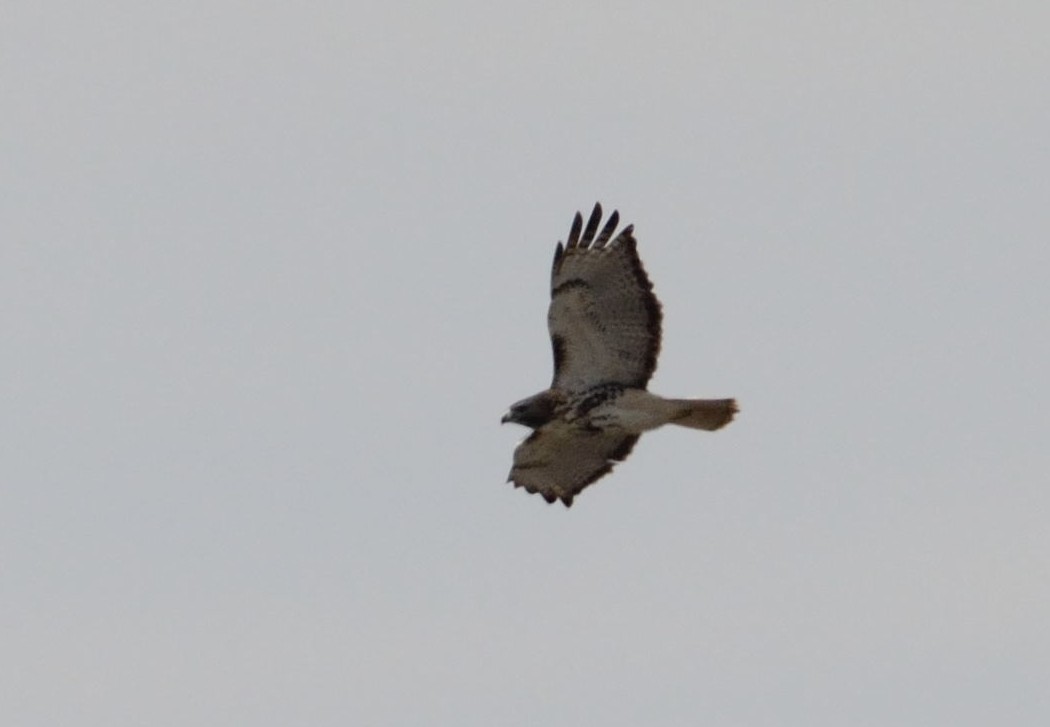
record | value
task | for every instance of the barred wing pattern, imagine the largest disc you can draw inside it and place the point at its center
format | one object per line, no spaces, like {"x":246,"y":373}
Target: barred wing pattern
{"x":604,"y":319}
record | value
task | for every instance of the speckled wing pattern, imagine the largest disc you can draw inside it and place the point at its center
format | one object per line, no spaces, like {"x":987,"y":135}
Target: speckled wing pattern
{"x":559,"y":460}
{"x":604,"y":319}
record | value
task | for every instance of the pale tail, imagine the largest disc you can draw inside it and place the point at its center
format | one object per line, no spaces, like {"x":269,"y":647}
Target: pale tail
{"x":709,"y":414}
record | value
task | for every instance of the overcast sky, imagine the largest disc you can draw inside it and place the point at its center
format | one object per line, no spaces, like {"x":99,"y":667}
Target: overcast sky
{"x":270,"y":274}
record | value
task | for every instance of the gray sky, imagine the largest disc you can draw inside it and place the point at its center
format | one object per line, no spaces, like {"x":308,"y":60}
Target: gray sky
{"x":272,"y":272}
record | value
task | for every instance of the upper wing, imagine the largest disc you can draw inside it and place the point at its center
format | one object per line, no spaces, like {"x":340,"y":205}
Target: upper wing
{"x":558,"y":461}
{"x":604,"y":320}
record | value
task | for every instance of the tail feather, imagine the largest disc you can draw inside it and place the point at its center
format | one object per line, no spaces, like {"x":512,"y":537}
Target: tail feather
{"x":708,"y":414}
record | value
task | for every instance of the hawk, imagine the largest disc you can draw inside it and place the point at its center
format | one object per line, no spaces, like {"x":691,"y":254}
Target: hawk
{"x":604,"y":323}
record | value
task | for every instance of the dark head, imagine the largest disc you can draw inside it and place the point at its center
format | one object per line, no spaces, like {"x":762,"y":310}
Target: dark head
{"x":533,"y":412}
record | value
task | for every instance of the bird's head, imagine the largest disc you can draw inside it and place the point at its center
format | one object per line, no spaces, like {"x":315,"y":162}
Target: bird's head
{"x":533,"y":412}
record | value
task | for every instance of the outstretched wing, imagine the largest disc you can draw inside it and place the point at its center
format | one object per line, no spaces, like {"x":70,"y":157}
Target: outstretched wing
{"x":604,"y":319}
{"x":558,"y":461}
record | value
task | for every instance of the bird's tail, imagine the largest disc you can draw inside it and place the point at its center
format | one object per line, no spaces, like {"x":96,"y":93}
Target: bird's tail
{"x":709,"y":414}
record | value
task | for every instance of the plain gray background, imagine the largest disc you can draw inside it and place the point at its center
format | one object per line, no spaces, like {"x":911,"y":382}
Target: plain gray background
{"x":272,"y":272}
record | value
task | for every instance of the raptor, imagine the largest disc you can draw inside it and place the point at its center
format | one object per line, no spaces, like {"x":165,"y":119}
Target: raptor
{"x":605,"y":328}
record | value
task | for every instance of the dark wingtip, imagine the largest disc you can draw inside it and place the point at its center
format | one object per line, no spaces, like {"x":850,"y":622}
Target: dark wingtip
{"x":592,"y":225}
{"x":574,"y":232}
{"x":558,"y":253}
{"x":606,"y":234}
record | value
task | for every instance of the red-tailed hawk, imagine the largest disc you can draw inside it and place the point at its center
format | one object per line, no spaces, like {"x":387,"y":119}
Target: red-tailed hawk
{"x":604,"y":324}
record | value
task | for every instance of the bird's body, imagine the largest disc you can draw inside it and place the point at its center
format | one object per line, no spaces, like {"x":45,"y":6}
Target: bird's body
{"x":604,"y":323}
{"x":614,"y":406}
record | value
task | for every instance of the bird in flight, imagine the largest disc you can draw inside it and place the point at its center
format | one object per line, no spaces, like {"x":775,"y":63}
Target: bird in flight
{"x":604,"y":323}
